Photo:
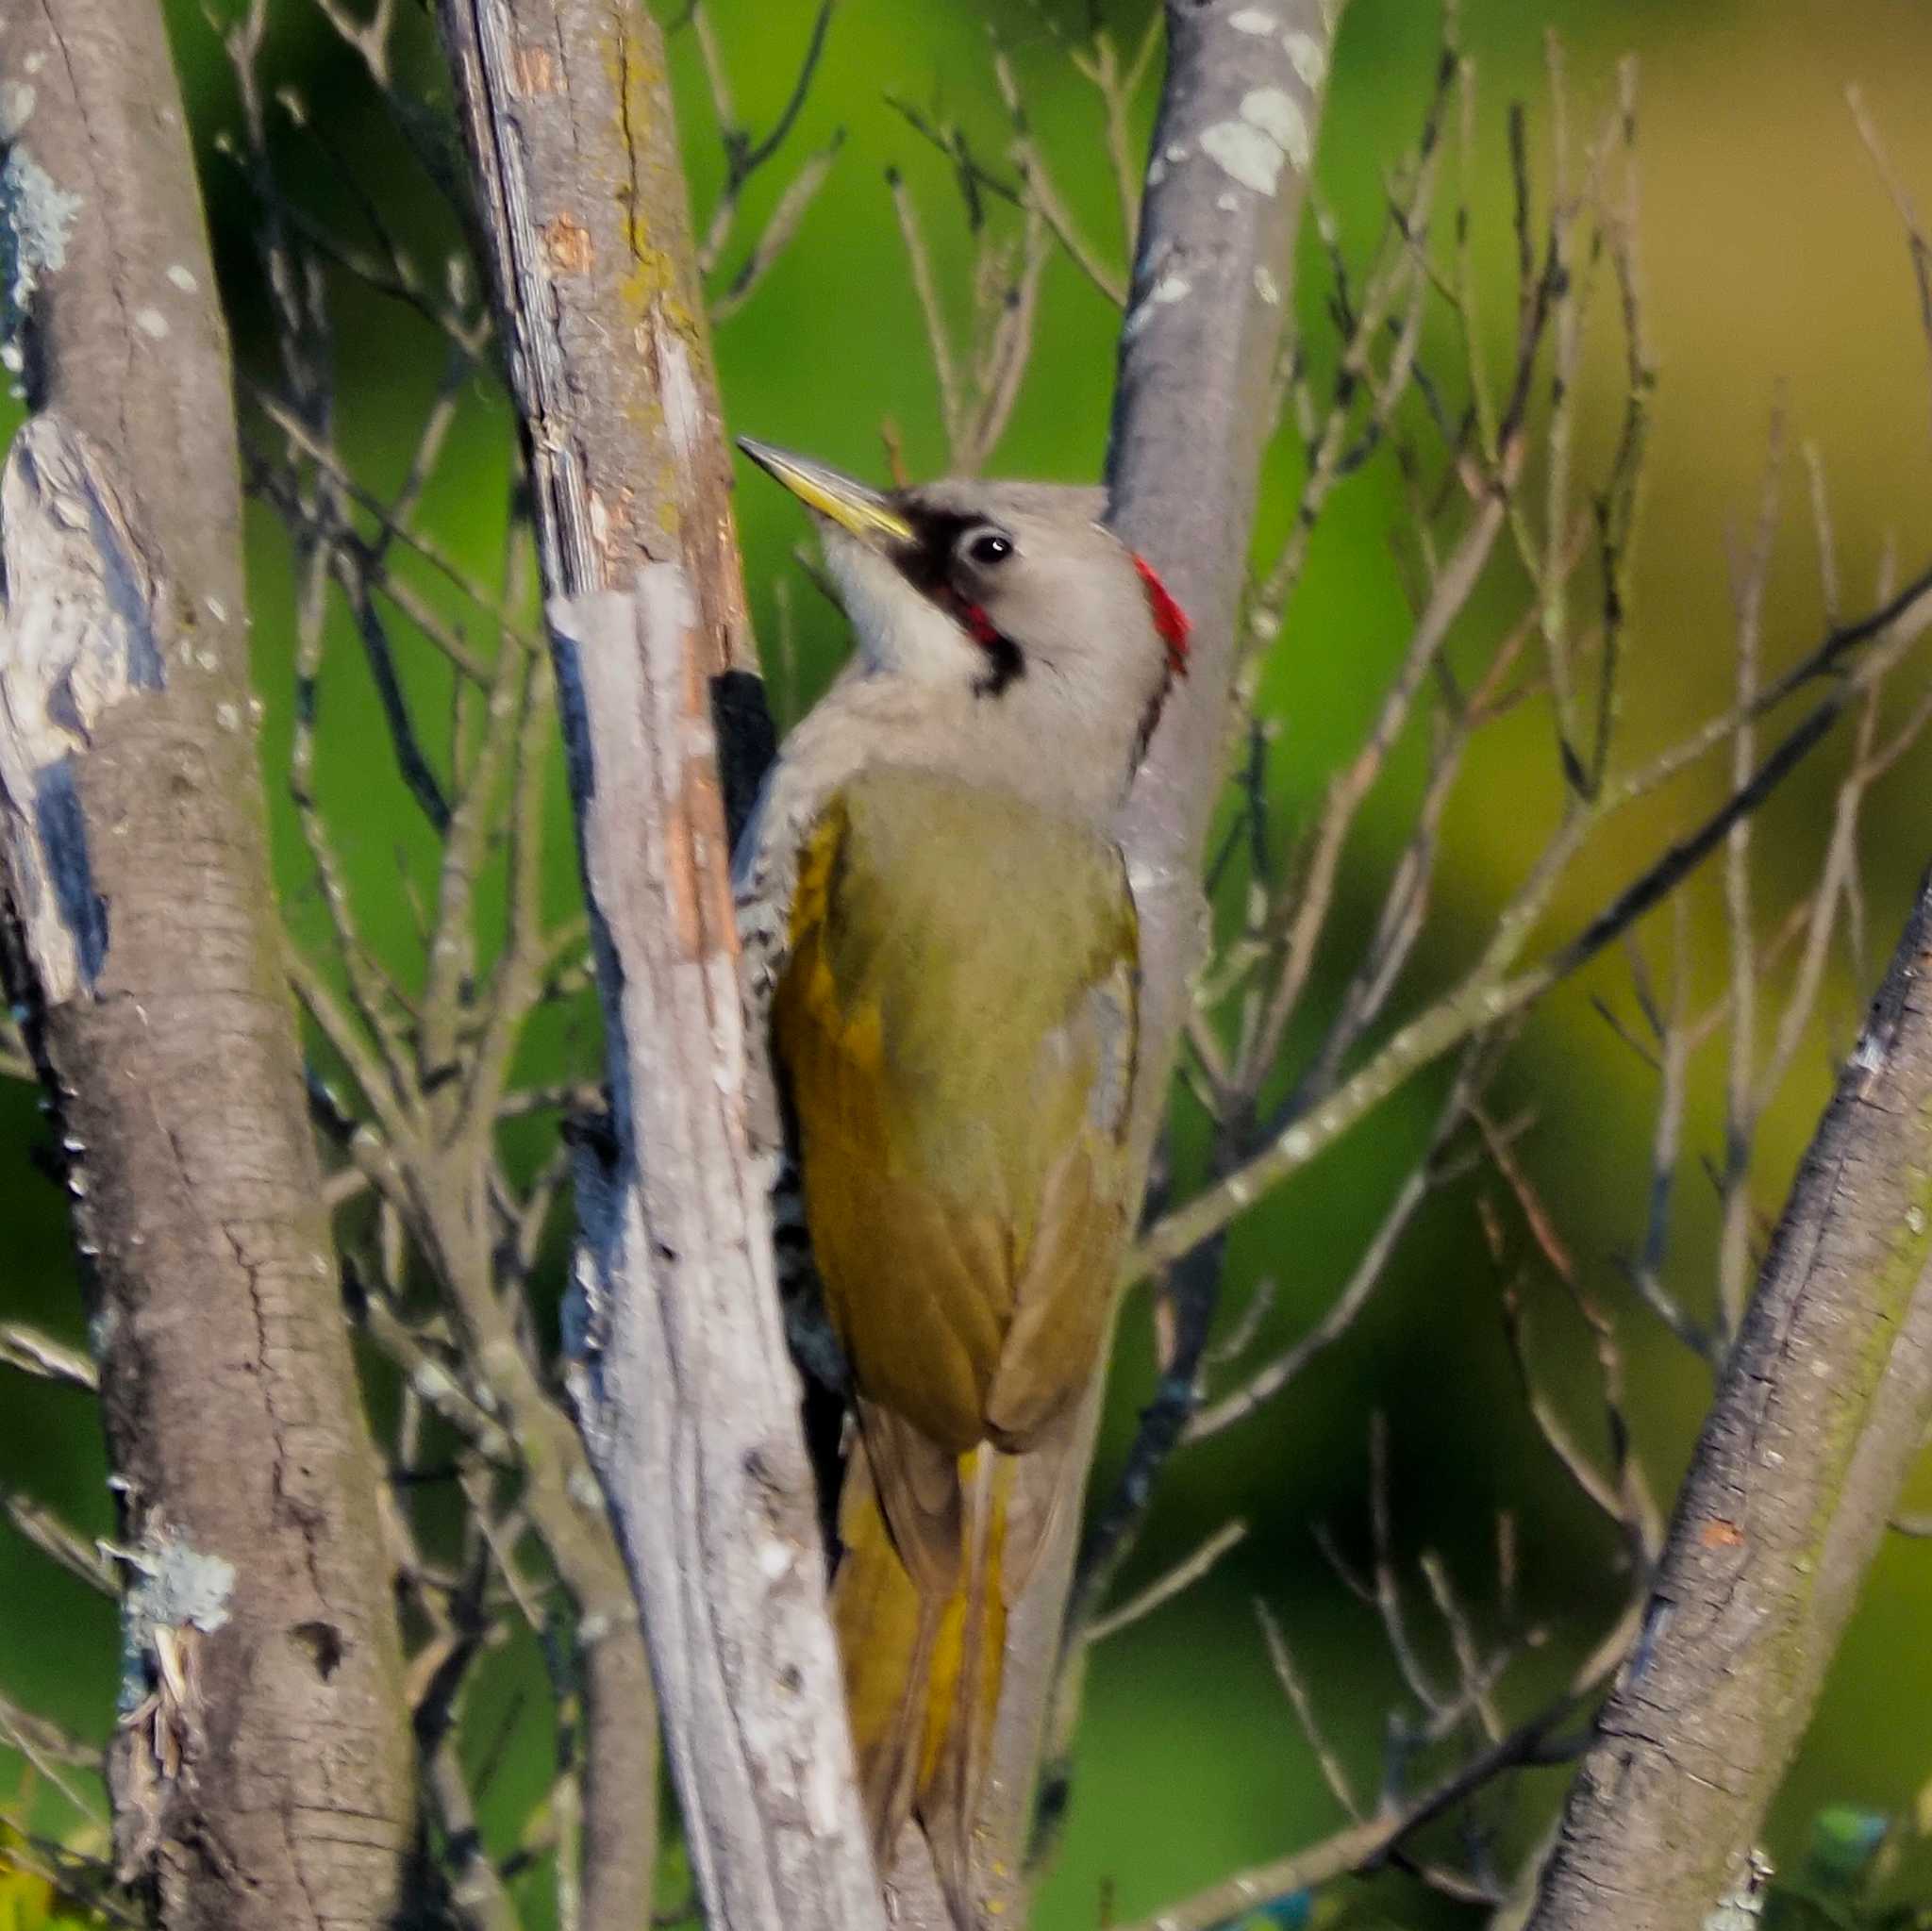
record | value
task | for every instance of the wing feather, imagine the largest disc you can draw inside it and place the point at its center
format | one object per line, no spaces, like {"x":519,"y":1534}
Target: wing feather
{"x":956,"y":1022}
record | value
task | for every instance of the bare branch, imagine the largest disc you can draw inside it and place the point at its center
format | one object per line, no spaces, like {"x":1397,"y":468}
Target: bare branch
{"x":1452,"y":588}
{"x":1164,"y":1588}
{"x":1360,"y":1845}
{"x":1917,"y":245}
{"x":34,"y":1353}
{"x":1265,"y":1383}
{"x":165,"y":1039}
{"x":50,"y":1750}
{"x":1037,"y":182}
{"x":63,"y":1544}
{"x":1333,"y":1774}
{"x":779,"y":232}
{"x":744,"y":156}
{"x":1491,"y":991}
{"x":1748,"y":594}
{"x":1821,"y":1409}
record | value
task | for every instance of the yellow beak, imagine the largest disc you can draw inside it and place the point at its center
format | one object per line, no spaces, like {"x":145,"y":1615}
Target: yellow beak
{"x":848,"y":503}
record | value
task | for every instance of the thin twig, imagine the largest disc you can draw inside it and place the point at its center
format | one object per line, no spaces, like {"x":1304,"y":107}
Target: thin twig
{"x":1164,"y":1588}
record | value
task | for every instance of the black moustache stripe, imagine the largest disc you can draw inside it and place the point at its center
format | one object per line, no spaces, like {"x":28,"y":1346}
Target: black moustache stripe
{"x":926,"y":564}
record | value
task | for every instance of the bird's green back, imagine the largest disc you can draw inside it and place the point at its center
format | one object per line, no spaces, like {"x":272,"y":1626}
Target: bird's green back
{"x":956,"y":1028}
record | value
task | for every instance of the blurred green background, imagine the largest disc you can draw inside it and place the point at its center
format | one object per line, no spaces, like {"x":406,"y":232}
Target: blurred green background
{"x":1774,"y":267}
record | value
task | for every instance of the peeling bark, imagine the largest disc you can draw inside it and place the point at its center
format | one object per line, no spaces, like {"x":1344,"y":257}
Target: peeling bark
{"x":261,"y":1776}
{"x":691,"y":1399}
{"x":567,"y":117}
{"x":689,"y":1402}
{"x":1820,"y":1412}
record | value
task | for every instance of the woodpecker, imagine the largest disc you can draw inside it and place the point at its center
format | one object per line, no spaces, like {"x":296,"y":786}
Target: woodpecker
{"x":938,"y":934}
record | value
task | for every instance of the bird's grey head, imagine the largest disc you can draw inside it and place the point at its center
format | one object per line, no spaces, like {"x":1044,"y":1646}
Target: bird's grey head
{"x":1014,"y":594}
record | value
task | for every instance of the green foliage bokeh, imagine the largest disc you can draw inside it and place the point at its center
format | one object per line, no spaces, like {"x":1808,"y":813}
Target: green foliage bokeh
{"x":1772,"y":258}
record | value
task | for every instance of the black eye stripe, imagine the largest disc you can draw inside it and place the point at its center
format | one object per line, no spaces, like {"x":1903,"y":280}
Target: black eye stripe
{"x":944,"y":540}
{"x":929,"y":560}
{"x":930,"y":563}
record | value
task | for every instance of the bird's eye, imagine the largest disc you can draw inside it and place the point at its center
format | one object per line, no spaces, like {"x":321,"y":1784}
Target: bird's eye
{"x":989,"y":547}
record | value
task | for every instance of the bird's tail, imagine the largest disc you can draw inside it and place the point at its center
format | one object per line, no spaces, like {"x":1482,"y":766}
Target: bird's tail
{"x":923,"y":1656}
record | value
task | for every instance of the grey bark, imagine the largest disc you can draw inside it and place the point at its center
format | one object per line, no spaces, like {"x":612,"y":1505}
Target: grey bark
{"x":690,"y":1404}
{"x":581,"y":199}
{"x":1227,"y":176}
{"x":263,"y":1776}
{"x":570,"y":132}
{"x":619,"y":1722}
{"x":1820,"y":1412}
{"x":692,"y":1401}
{"x":1213,"y":276}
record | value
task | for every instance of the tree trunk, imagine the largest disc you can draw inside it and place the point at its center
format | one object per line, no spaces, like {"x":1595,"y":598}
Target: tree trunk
{"x":262,"y":1776}
{"x":1820,"y":1412}
{"x":1213,"y":274}
{"x":688,"y":1400}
